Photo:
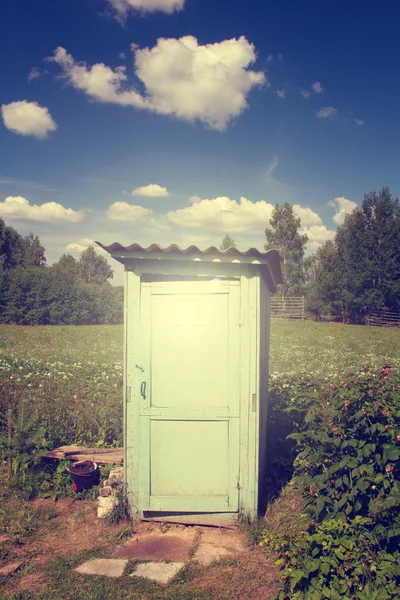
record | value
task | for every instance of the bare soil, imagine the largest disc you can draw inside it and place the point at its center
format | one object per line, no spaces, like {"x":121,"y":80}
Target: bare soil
{"x":69,"y":526}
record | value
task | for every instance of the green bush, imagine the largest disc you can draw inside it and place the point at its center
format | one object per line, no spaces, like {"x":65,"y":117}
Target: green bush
{"x":347,"y":465}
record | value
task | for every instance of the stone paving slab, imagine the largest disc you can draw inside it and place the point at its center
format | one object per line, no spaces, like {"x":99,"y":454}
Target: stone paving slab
{"x":158,"y":571}
{"x":10,"y":569}
{"x":106,"y":567}
{"x":174,"y":545}
{"x":219,"y":543}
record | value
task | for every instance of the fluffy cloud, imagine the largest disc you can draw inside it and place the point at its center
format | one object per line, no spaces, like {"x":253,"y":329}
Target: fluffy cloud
{"x":317,"y":87}
{"x":305,"y":94}
{"x":180,"y":77}
{"x":359,"y":122}
{"x":18,"y":208}
{"x":343,"y":207}
{"x":223,"y":214}
{"x":317,"y":235}
{"x":83,"y":244}
{"x":308,"y":217}
{"x":167,"y":6}
{"x":151,"y":191}
{"x":281,"y":94}
{"x":122,"y":211}
{"x":28,"y":118}
{"x":328,"y":112}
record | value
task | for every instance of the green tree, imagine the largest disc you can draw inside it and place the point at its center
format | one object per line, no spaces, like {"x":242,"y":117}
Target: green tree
{"x":33,"y":251}
{"x":94,"y":268}
{"x":284,"y":236}
{"x":12,"y":248}
{"x":227,"y":242}
{"x":324,"y":286}
{"x":368,"y":245}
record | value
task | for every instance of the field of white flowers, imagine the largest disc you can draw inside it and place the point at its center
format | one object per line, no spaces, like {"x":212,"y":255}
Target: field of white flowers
{"x":330,"y":349}
{"x":71,"y":377}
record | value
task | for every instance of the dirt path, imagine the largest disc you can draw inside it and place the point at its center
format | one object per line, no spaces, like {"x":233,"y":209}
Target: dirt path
{"x":67,"y":528}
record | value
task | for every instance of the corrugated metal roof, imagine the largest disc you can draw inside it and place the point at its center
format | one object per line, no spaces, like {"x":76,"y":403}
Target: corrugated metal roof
{"x":175,"y":249}
{"x":270,"y":258}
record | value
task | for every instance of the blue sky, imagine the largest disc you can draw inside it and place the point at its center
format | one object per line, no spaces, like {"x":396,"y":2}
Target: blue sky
{"x":177,"y":121}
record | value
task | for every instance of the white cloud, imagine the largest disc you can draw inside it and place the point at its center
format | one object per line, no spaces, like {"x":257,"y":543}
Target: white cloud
{"x":83,"y":244}
{"x":305,"y":94}
{"x":122,"y":211}
{"x":223,"y":214}
{"x":272,"y":167}
{"x":317,"y":87}
{"x":328,"y":112}
{"x":180,"y":77}
{"x":318,"y":235}
{"x":280,"y":93}
{"x":194,"y":199}
{"x":122,"y":7}
{"x":28,"y":118}
{"x":343,"y":207}
{"x":35,"y":73}
{"x":308,"y":217}
{"x":269,"y":59}
{"x":359,"y":122}
{"x":153,"y":190}
{"x":18,"y":208}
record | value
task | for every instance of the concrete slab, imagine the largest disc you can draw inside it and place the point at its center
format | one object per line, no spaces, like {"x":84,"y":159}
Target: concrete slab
{"x":106,"y":567}
{"x":158,"y":571}
{"x":10,"y":569}
{"x":232,"y":540}
{"x":219,"y":543}
{"x":174,"y":545}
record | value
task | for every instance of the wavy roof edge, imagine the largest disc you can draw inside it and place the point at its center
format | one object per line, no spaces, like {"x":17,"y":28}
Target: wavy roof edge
{"x":174,"y":248}
{"x":271,"y":257}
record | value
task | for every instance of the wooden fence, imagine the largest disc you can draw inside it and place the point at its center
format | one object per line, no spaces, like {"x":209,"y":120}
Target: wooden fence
{"x":289,"y":307}
{"x":383,"y":318}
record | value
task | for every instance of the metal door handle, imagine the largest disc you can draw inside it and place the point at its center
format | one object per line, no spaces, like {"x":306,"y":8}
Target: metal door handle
{"x":143,"y":389}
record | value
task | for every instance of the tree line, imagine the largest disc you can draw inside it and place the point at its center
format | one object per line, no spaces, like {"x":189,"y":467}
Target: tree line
{"x":349,"y":277}
{"x":69,"y":292}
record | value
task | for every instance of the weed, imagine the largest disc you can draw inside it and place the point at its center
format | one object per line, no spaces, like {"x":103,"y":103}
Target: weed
{"x":121,"y":510}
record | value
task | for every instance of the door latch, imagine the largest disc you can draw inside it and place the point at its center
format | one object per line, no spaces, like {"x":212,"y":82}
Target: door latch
{"x":143,"y":389}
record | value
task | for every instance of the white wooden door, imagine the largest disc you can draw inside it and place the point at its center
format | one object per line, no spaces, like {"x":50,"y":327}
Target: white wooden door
{"x":189,"y":412}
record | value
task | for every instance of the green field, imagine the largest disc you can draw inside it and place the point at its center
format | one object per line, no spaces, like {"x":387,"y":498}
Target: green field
{"x":72,"y":376}
{"x":296,"y":347}
{"x":326,"y":349}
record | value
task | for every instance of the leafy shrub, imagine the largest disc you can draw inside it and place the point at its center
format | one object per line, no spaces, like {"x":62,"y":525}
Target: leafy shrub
{"x":348,"y":456}
{"x":347,"y":465}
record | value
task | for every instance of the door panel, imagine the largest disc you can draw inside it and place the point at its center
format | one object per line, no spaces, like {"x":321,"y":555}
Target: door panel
{"x":189,"y":339}
{"x":178,"y":468}
{"x":189,"y":417}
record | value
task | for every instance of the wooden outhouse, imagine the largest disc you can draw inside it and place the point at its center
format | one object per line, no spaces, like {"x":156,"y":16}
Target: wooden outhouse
{"x":195,"y":379}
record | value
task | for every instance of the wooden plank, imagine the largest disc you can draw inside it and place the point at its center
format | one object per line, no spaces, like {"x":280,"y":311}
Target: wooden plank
{"x":113,"y":456}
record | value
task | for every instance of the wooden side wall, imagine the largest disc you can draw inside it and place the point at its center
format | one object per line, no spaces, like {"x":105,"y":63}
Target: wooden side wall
{"x":132,"y":385}
{"x":264,"y":368}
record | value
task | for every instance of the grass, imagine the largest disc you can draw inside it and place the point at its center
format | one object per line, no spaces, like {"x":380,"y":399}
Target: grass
{"x":328,"y":349}
{"x":72,"y":376}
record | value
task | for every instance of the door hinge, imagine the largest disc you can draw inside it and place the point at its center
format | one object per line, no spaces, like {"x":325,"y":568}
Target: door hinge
{"x":238,"y":485}
{"x":128,"y":393}
{"x":254,"y":403}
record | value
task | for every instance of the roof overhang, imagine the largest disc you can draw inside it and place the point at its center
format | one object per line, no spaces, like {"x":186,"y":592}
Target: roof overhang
{"x":268,"y":262}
